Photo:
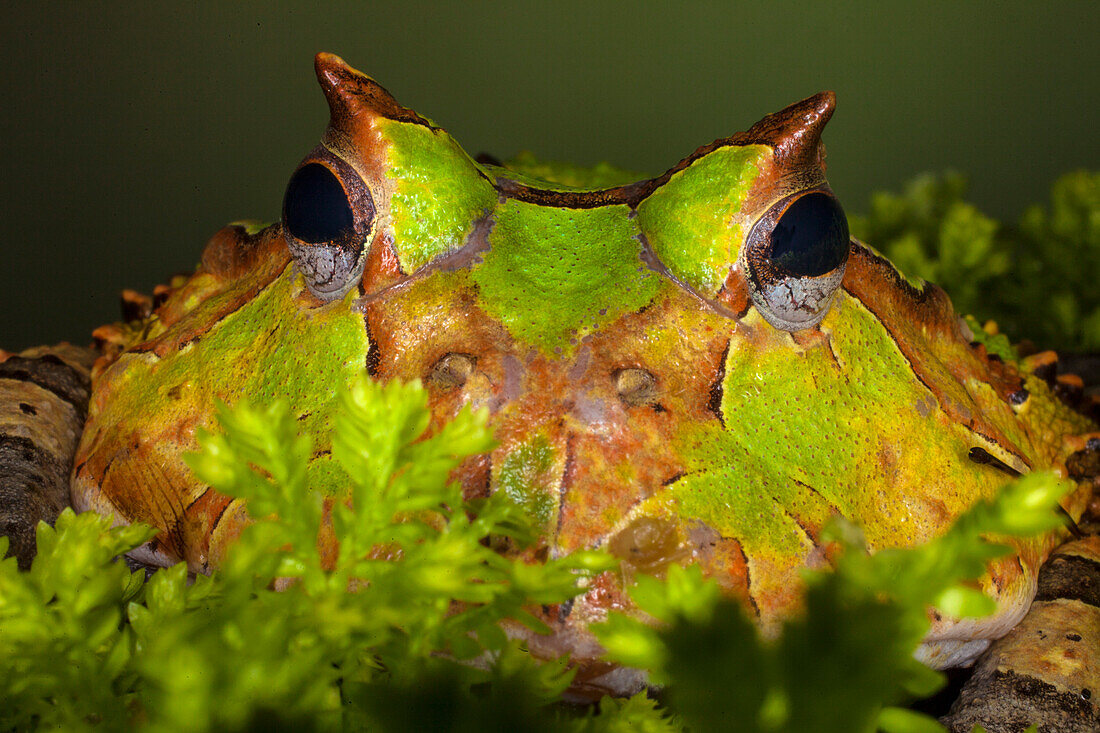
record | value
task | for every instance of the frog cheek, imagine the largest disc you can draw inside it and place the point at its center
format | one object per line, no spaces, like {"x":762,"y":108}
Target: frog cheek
{"x":328,"y":218}
{"x":795,"y":258}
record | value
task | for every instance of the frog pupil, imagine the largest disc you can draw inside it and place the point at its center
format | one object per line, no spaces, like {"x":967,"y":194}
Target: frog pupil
{"x":316,"y":208}
{"x":811,"y":237}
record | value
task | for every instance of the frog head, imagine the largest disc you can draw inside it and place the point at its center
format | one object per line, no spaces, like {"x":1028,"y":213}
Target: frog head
{"x":699,"y":367}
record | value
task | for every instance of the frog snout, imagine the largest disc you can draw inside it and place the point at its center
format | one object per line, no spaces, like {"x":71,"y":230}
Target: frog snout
{"x":581,"y":454}
{"x":582,"y":441}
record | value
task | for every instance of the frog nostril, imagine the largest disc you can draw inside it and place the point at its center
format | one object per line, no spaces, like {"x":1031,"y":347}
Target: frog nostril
{"x":452,"y":370}
{"x":635,"y":386}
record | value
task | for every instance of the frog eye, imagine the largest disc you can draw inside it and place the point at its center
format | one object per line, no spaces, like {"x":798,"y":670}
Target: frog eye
{"x":315,"y":207}
{"x":328,"y":215}
{"x":795,"y":258}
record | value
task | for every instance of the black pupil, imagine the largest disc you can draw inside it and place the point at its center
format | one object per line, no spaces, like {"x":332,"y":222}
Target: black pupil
{"x":811,"y":238}
{"x":315,"y":208}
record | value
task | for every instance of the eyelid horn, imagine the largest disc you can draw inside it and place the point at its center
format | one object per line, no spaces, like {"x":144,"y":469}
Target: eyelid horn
{"x":351,"y":93}
{"x":794,"y":132}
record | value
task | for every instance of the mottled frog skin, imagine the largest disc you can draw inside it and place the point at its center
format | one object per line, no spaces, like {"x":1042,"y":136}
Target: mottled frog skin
{"x":700,"y":367}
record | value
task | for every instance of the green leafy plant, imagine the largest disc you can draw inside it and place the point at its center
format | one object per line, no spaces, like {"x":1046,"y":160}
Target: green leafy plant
{"x":399,"y":630}
{"x":1036,"y":279}
{"x":84,"y":642}
{"x":65,"y":656}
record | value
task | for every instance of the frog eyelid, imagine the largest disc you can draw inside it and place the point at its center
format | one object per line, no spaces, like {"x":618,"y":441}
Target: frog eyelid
{"x":795,"y":257}
{"x":328,"y":219}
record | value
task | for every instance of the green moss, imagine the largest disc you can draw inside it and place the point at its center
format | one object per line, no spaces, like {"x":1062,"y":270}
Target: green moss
{"x":995,"y":343}
{"x":1036,"y":279}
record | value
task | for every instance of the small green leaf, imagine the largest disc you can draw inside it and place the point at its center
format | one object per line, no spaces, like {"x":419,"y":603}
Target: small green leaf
{"x":900,"y":720}
{"x":631,"y":642}
{"x":960,"y":601}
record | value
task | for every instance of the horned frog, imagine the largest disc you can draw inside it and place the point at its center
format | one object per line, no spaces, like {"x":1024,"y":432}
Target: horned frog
{"x":701,"y":367}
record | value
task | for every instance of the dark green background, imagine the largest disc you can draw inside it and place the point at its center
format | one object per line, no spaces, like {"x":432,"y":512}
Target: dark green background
{"x":131,"y":135}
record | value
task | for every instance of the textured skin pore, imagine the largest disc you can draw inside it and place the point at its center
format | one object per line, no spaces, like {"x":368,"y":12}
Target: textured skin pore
{"x":641,"y":403}
{"x":43,"y":402}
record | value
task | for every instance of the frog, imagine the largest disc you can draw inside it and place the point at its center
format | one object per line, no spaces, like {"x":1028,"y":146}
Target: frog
{"x":700,"y":367}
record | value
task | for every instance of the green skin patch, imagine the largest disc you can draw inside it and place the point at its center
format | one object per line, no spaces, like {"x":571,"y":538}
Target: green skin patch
{"x":438,"y":193}
{"x":824,"y":431}
{"x":524,"y":476}
{"x":551,"y":276}
{"x":689,"y":221}
{"x":263,"y":351}
{"x":585,"y":261}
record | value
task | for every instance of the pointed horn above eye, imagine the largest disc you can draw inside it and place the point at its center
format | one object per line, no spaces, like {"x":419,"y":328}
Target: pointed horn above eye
{"x":795,"y":132}
{"x":351,"y":93}
{"x":339,"y":82}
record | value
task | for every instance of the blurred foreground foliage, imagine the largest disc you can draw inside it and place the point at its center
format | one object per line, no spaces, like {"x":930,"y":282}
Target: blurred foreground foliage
{"x":1039,"y":278}
{"x":86,"y":644}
